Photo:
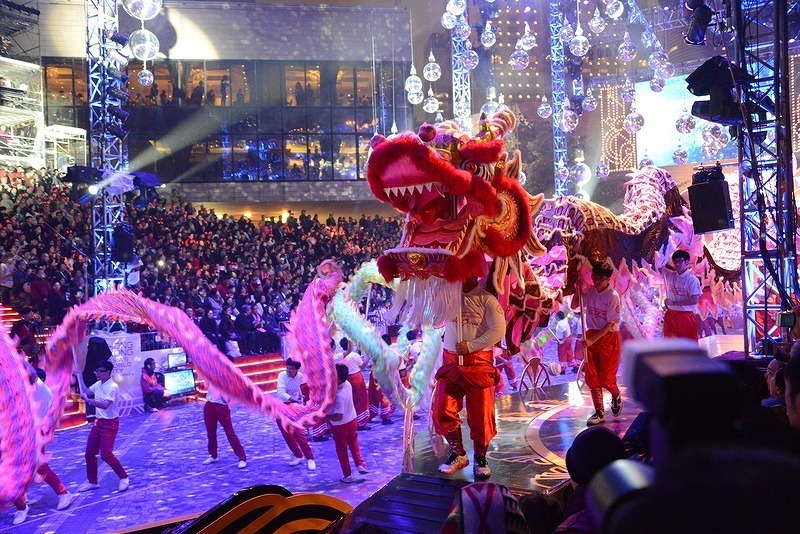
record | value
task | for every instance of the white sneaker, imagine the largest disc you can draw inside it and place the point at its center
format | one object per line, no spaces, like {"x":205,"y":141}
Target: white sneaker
{"x":454,"y":463}
{"x":65,"y":500}
{"x":362,"y":469}
{"x":124,"y":483}
{"x":21,"y":515}
{"x":86,"y":486}
{"x":210,"y":460}
{"x":348,"y":479}
{"x":242,"y":464}
{"x":296,"y":461}
{"x":312,"y":465}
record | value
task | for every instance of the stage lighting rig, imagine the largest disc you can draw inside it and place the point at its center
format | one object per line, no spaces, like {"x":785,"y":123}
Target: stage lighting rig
{"x":713,"y":78}
{"x":698,"y":22}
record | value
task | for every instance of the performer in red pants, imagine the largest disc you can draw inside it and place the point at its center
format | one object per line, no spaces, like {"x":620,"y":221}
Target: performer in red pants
{"x":103,"y":396}
{"x":216,"y":411}
{"x":602,"y":341}
{"x":468,"y":371}
{"x":342,"y":417}
{"x":290,"y":392}
{"x":683,"y":292}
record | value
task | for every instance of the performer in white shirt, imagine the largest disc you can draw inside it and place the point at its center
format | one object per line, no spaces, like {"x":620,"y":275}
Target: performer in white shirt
{"x":103,"y":396}
{"x":342,"y":418}
{"x":216,"y":411}
{"x":354,"y":362}
{"x":683,"y":292}
{"x":563,"y":334}
{"x":290,"y":385}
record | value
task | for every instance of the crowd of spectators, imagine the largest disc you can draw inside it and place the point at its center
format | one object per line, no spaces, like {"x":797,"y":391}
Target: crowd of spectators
{"x":237,"y":278}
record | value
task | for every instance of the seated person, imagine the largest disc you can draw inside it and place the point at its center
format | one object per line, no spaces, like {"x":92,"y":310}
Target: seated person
{"x":154,"y":394}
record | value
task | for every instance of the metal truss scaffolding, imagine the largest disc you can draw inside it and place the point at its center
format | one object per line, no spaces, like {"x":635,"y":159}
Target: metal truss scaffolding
{"x":462,"y":94}
{"x":107,"y":151}
{"x":559,"y":94}
{"x":768,"y":226}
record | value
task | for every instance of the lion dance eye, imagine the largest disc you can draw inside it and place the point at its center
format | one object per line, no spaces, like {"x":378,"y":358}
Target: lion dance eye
{"x":476,"y":168}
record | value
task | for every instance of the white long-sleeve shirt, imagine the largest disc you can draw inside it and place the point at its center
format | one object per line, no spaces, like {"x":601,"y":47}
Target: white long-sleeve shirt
{"x":482,"y":322}
{"x":289,"y":388}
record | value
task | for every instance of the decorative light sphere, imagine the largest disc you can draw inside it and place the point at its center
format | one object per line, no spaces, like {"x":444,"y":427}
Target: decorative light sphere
{"x":488,"y":37}
{"x":470,"y":59}
{"x":597,"y":23}
{"x":568,"y":120}
{"x":413,"y":83}
{"x":522,"y":178}
{"x":589,"y":102}
{"x":142,"y":9}
{"x":626,"y":50}
{"x":602,"y":169}
{"x":634,"y":121}
{"x":645,"y":162}
{"x":667,"y":70}
{"x":145,"y":78}
{"x":490,"y":108}
{"x":430,"y":105}
{"x":614,"y":9}
{"x":416,"y":97}
{"x":567,"y":33}
{"x":709,"y":150}
{"x":579,"y":45}
{"x":583,"y":195}
{"x":144,"y":44}
{"x":685,"y":123}
{"x":562,"y":172}
{"x":680,"y":156}
{"x":520,"y":59}
{"x":456,"y":7}
{"x":432,"y":72}
{"x":462,"y":30}
{"x":545,"y":109}
{"x":462,"y":110}
{"x":712,"y":132}
{"x":657,"y":84}
{"x":448,"y":21}
{"x":722,"y":140}
{"x":528,"y":40}
{"x":627,"y":92}
{"x":580,"y":174}
{"x":657,"y":59}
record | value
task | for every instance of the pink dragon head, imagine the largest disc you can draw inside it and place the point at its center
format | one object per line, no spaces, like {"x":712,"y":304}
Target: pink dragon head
{"x":461,"y":196}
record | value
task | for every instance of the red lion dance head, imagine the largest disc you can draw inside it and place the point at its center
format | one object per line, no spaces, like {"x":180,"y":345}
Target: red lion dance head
{"x":463,"y":202}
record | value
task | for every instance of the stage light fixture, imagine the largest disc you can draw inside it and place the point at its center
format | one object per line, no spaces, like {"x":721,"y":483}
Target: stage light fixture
{"x":117,"y":74}
{"x":118,"y":112}
{"x":117,"y":37}
{"x":698,"y":24}
{"x":146,"y":183}
{"x":117,"y":131}
{"x":713,"y":78}
{"x":115,"y":58}
{"x":118,"y":93}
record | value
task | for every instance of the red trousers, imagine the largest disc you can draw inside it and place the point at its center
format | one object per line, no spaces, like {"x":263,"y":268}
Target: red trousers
{"x":475,"y":381}
{"x":602,"y":366}
{"x":565,"y":352}
{"x":52,"y":480}
{"x":214,"y":413}
{"x":680,"y":324}
{"x":378,"y":403}
{"x":295,"y":438}
{"x":101,"y":439}
{"x":505,"y":363}
{"x":360,"y":398}
{"x":346,"y":436}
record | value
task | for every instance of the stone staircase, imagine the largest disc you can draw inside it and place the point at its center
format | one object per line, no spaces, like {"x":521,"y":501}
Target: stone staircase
{"x":262,"y":369}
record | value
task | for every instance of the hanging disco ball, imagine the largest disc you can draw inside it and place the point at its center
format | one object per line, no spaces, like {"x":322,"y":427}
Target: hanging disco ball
{"x":490,"y":108}
{"x":579,"y":45}
{"x":583,"y":195}
{"x":634,"y":121}
{"x":614,"y":9}
{"x":580,"y":174}
{"x":142,"y":9}
{"x":680,"y":156}
{"x":431,"y":104}
{"x":448,"y":21}
{"x":667,"y":70}
{"x":589,"y":101}
{"x":416,"y":97}
{"x":488,"y":37}
{"x":657,"y":59}
{"x":685,"y":123}
{"x":144,"y":44}
{"x":597,"y":24}
{"x":470,"y":58}
{"x":456,"y":7}
{"x":567,"y":120}
{"x":722,"y":140}
{"x":145,"y":78}
{"x":432,"y":70}
{"x":709,"y":150}
{"x":522,"y":178}
{"x":462,"y":110}
{"x":657,"y":84}
{"x":545,"y":109}
{"x":413,"y":83}
{"x":602,"y":169}
{"x":528,"y":40}
{"x":520,"y":59}
{"x":626,"y":50}
{"x":562,"y":172}
{"x":712,"y":132}
{"x":462,"y":30}
{"x":567,"y":33}
{"x":627,"y":92}
{"x":645,"y":162}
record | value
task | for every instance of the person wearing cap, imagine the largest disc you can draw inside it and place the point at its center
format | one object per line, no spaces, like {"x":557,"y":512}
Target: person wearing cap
{"x":103,"y":396}
{"x":290,"y":385}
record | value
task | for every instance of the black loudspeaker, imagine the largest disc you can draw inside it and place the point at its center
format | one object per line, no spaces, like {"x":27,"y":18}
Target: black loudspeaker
{"x":711,"y":207}
{"x":122,"y":243}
